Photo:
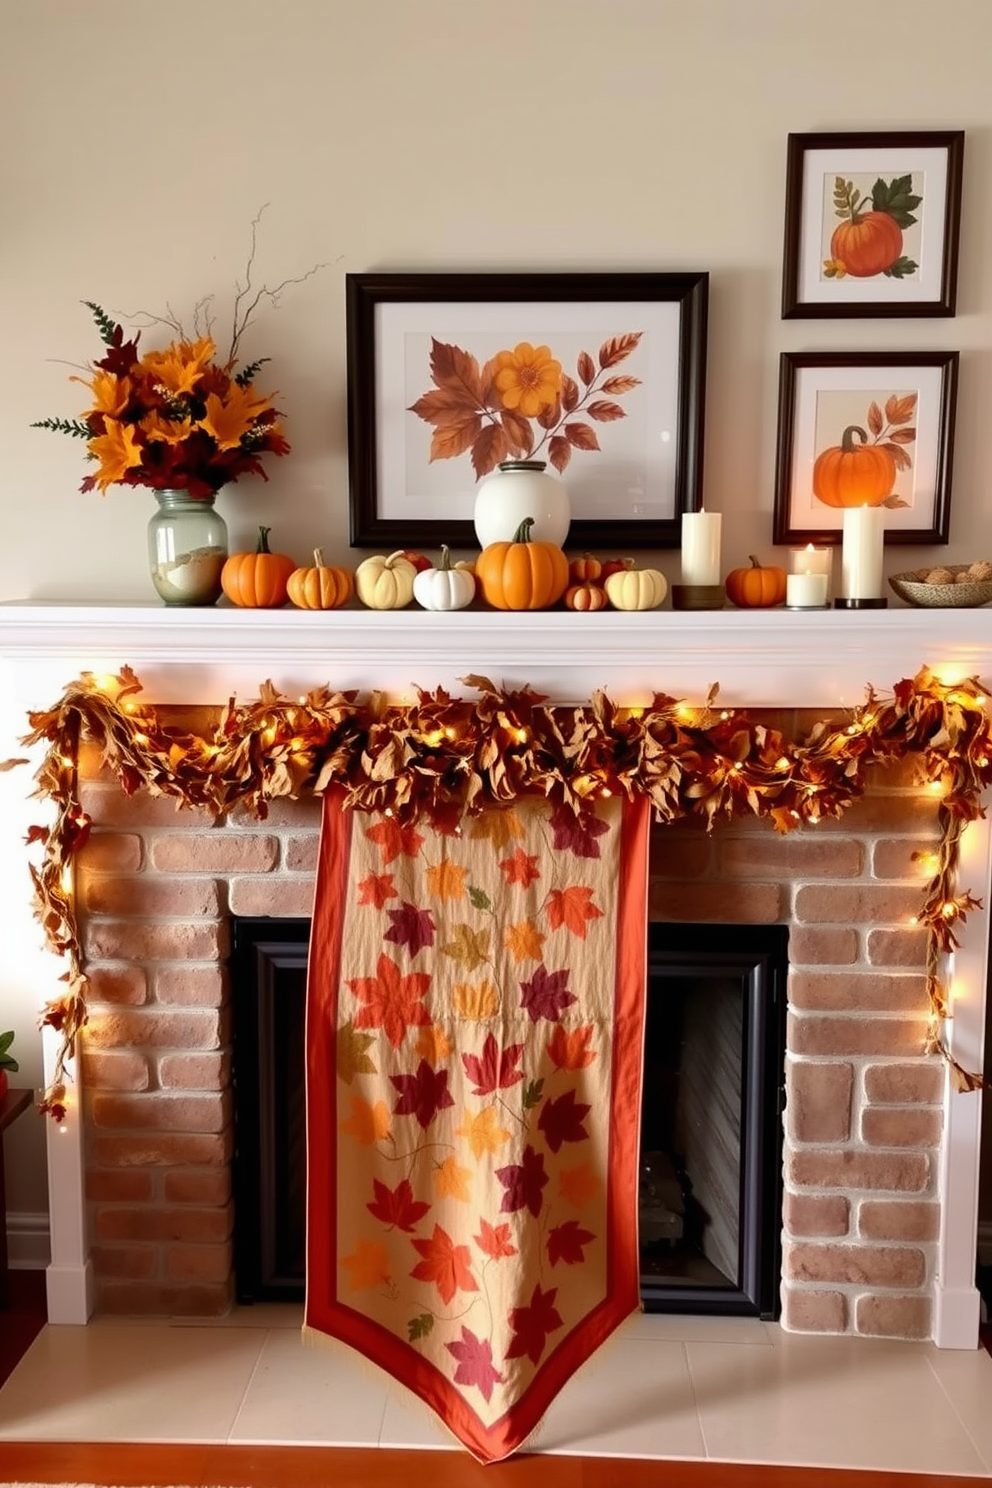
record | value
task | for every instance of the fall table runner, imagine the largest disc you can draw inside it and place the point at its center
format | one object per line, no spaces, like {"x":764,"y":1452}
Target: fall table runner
{"x":474,"y":1048}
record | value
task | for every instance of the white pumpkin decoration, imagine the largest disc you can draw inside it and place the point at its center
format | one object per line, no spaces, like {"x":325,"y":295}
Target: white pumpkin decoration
{"x":385,"y":583}
{"x":444,"y":587}
{"x":636,"y":588}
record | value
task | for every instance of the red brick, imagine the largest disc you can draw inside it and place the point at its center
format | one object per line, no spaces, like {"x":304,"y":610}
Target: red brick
{"x":811,"y":946}
{"x":199,"y":1262}
{"x":155,"y":1029}
{"x":853,"y":991}
{"x":300,"y":854}
{"x":160,"y":1299}
{"x":895,"y":1172}
{"x":676,"y":857}
{"x":920,"y":1083}
{"x":214,"y":852}
{"x":809,"y":1214}
{"x":121,"y":940}
{"x":877,"y":813}
{"x":127,"y":985}
{"x":147,"y":896}
{"x":108,"y":806}
{"x":860,"y":1265}
{"x":813,"y":1312}
{"x":892,"y":1219}
{"x":850,"y":1035}
{"x":124,"y":1071}
{"x":110,"y":852}
{"x":893,"y":1317}
{"x":191,"y":986}
{"x":132,"y":1262}
{"x":162,"y":1149}
{"x":734,"y":904}
{"x":818,"y":1105}
{"x":203,"y":1225}
{"x":902,"y":857}
{"x":890,"y":1126}
{"x":195,"y":1071}
{"x":282,"y":812}
{"x":802,"y":854}
{"x":119,"y":1185}
{"x":212,"y":1187}
{"x":161,"y":1113}
{"x":898,"y":947}
{"x":856,"y":904}
{"x":281,"y":897}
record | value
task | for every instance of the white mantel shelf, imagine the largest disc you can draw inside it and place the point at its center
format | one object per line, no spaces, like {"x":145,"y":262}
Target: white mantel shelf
{"x":758,"y":657}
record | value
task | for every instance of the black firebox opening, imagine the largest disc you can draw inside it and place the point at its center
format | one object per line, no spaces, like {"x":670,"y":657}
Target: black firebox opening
{"x":711,"y":1131}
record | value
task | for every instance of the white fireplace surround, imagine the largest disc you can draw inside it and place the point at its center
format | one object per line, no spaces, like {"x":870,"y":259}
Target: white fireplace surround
{"x":770,"y":658}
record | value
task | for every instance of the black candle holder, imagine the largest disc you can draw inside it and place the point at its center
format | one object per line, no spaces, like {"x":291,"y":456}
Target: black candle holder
{"x":698,"y":597}
{"x":861,"y":604}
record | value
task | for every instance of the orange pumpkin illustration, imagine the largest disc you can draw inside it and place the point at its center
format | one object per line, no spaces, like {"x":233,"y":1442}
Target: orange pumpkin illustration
{"x":868,"y":244}
{"x":850,"y":474}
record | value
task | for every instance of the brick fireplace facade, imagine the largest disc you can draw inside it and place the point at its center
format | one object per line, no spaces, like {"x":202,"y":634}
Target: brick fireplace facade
{"x":863,"y":1119}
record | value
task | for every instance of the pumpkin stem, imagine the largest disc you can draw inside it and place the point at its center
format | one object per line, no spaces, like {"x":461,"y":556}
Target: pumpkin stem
{"x":263,"y":540}
{"x":522,"y":534}
{"x":847,"y":443}
{"x":318,"y":557}
{"x":445,"y":564}
{"x":754,"y":561}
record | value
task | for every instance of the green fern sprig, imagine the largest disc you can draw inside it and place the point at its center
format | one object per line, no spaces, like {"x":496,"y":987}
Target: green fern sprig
{"x":249,"y":373}
{"x":76,"y":427}
{"x":107,"y":327}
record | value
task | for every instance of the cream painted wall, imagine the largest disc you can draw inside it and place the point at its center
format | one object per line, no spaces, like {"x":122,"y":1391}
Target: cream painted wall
{"x":137,"y":143}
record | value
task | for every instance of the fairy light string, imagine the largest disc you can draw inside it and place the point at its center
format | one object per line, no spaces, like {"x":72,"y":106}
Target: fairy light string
{"x":441,"y":757}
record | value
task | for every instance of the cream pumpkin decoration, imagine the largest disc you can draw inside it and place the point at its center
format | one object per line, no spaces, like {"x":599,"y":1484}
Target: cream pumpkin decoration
{"x":636,"y":588}
{"x":444,"y":587}
{"x":385,"y":583}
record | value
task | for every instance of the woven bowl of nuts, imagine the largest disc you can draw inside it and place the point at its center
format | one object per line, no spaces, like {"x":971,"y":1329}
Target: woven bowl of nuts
{"x":951,"y":586}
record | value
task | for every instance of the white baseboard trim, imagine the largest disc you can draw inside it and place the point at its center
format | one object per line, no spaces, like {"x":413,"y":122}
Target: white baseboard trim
{"x":957,"y":1315}
{"x":29,"y":1245}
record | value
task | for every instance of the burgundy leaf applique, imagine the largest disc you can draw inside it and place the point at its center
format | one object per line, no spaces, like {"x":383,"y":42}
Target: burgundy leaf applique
{"x":577,"y":831}
{"x":496,"y":1069}
{"x":475,"y":1363}
{"x":546,"y":995}
{"x":561,"y":1120}
{"x":422,"y":1094}
{"x":411,"y":927}
{"x":397,"y":1206}
{"x":566,"y":1242}
{"x":524,"y":1183}
{"x":532,"y":1324}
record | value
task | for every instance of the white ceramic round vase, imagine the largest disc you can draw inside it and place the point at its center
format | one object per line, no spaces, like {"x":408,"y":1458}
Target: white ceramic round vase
{"x":514,"y":491}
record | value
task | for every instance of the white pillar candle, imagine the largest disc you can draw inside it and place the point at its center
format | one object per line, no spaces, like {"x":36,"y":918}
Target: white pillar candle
{"x":861,"y":552}
{"x":701,"y":547}
{"x":806,"y":591}
{"x":813,"y":560}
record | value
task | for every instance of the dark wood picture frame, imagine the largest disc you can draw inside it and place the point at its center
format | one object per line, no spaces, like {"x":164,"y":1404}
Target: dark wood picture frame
{"x":929,"y":429}
{"x":933,"y":161}
{"x":370,"y":296}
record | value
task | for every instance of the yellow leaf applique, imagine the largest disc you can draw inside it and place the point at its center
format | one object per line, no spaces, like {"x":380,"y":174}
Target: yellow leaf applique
{"x":447,"y":880}
{"x":579,"y":1184}
{"x":367,"y":1266}
{"x":433,"y":1044}
{"x":452,"y":1181}
{"x":501,"y":826}
{"x":483,"y":1132}
{"x":352,"y":1055}
{"x":524,"y":941}
{"x":367,"y":1123}
{"x":476,"y":1001}
{"x":469,"y":946}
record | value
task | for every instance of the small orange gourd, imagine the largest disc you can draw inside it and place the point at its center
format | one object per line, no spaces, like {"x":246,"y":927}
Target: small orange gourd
{"x":849,"y":474}
{"x":258,"y":580}
{"x":757,"y":587}
{"x":588,"y":597}
{"x":522,"y":575}
{"x":321,"y":587}
{"x":586,"y":569}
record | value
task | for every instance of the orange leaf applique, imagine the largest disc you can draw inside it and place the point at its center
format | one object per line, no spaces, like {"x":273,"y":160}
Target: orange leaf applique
{"x":392,"y":1000}
{"x":475,"y":1002}
{"x":367,"y":1266}
{"x":579,"y":1184}
{"x":501,"y":826}
{"x":393,"y":839}
{"x":521,"y":868}
{"x":433,"y":1044}
{"x":451,"y":1181}
{"x":447,"y":880}
{"x":445,"y":1264}
{"x":524,"y":941}
{"x":483,"y":1132}
{"x":376,"y":889}
{"x":367,"y":1123}
{"x":494,"y":1240}
{"x":570,"y":1051}
{"x":572,"y":908}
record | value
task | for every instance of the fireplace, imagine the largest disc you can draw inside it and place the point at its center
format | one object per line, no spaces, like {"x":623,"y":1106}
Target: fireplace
{"x":880,"y":1161}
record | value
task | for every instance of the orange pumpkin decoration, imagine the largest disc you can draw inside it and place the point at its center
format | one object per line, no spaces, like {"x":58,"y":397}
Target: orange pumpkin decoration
{"x":587,"y":597}
{"x":257,"y":581}
{"x":522,"y":575}
{"x":582,"y":570}
{"x":868,"y":244}
{"x":321,"y":587}
{"x":757,"y":587}
{"x":849,"y":474}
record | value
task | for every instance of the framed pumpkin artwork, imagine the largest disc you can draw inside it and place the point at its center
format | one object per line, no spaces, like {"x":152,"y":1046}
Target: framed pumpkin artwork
{"x":871,"y":224}
{"x":865,"y":429}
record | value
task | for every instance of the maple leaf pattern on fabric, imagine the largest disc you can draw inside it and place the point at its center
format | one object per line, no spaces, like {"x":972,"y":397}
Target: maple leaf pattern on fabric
{"x":367,"y":1266}
{"x":566,"y":1243}
{"x":397,"y":1206}
{"x":376,"y":889}
{"x":521,"y":868}
{"x":447,"y":880}
{"x":500,"y":827}
{"x":546,"y":994}
{"x":422,"y":1094}
{"x":445,"y":1264}
{"x":471,"y":947}
{"x":576,"y":832}
{"x":578,"y":1186}
{"x":573,"y":908}
{"x":570,"y":1050}
{"x":367,"y":1123}
{"x":475,"y":1002}
{"x":495,"y":1069}
{"x":451,"y":1181}
{"x":352,"y":1053}
{"x":475,"y":1363}
{"x":494,"y":1240}
{"x":532,"y":1324}
{"x":524,"y":1182}
{"x":433,"y":1044}
{"x":483,"y":1132}
{"x":392,"y":1000}
{"x":561,"y":1120}
{"x":394,"y":839}
{"x":524,"y":941}
{"x":412,"y":927}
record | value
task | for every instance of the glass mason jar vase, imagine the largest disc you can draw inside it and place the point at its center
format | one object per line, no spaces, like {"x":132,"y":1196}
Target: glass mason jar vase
{"x":516,"y":490}
{"x":187,"y":546}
